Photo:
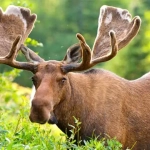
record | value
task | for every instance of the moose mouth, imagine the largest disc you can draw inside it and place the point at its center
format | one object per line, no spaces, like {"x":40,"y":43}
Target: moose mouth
{"x":51,"y":120}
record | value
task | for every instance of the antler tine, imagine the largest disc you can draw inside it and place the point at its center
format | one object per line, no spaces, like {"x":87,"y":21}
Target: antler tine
{"x":86,"y":53}
{"x":111,"y":54}
{"x":86,"y":57}
{"x":10,"y":59}
{"x":134,"y":30}
{"x":13,"y":52}
{"x":87,"y":62}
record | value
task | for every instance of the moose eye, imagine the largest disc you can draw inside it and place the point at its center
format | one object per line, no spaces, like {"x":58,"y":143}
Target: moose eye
{"x":63,"y":80}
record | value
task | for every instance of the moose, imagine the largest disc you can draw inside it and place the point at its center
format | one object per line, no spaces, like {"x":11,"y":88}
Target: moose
{"x":104,"y":103}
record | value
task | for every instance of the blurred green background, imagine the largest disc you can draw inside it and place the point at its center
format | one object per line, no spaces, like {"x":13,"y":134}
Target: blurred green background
{"x":59,"y":20}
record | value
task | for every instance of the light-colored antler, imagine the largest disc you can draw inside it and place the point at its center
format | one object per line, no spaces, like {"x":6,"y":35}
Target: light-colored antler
{"x":14,"y":21}
{"x":117,"y":20}
{"x":115,"y":30}
{"x":10,"y":58}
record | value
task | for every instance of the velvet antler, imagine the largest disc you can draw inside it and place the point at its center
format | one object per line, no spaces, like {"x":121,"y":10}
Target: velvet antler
{"x":15,"y":21}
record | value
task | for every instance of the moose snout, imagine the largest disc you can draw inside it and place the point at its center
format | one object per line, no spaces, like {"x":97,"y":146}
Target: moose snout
{"x":51,"y":119}
{"x":41,"y":118}
{"x":39,"y":113}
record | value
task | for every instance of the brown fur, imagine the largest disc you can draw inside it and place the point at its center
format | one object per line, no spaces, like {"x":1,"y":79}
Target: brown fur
{"x":105,"y":103}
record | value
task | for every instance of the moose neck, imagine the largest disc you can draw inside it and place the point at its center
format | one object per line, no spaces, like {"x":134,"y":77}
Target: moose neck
{"x":74,"y":103}
{"x":83,"y":101}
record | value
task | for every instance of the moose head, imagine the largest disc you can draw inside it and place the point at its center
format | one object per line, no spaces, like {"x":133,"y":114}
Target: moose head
{"x":103,"y":102}
{"x":51,"y":78}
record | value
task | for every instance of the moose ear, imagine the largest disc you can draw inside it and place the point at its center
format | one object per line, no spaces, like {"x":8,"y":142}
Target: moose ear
{"x":74,"y":54}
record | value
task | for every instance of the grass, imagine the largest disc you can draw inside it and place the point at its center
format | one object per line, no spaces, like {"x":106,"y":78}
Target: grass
{"x":18,"y":133}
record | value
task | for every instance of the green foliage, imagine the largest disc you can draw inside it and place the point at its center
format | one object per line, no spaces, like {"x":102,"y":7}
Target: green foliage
{"x":103,"y":144}
{"x":33,"y":42}
{"x":8,"y":90}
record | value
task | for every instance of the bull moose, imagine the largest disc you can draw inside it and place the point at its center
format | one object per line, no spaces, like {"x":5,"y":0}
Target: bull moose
{"x":104,"y":102}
